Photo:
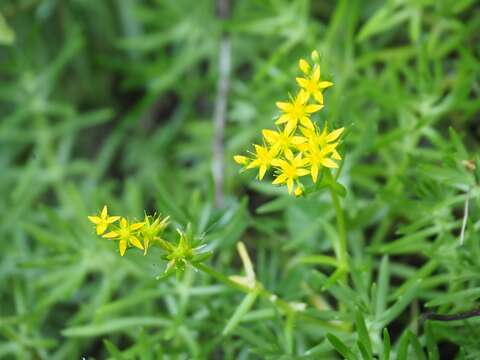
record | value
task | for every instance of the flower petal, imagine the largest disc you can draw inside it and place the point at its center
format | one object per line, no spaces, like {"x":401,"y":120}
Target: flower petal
{"x":280,"y":179}
{"x":314,"y":173}
{"x":329,"y":163}
{"x":283,"y":119}
{"x":270,"y":135}
{"x":104,"y":213}
{"x":304,"y":66}
{"x":112,"y":219}
{"x":302,"y":172}
{"x":302,"y":82}
{"x":111,"y":235}
{"x":313,"y":108}
{"x":284,"y":106}
{"x":305,"y":121}
{"x":101,"y":228}
{"x":262,"y":171}
{"x":324,"y":84}
{"x":334,"y":134}
{"x":316,"y":73}
{"x":122,"y":246}
{"x":136,"y":226}
{"x":241,"y":160}
{"x":135,"y":242}
{"x":94,"y":219}
{"x":290,"y":185}
{"x":318,"y":96}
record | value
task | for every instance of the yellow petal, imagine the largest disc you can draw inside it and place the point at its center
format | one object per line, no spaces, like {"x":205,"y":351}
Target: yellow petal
{"x":111,"y":235}
{"x":241,"y":160}
{"x":316,"y":73}
{"x":254,"y":164}
{"x":284,"y":106}
{"x":262,"y":171}
{"x":302,"y":172}
{"x":318,"y":96}
{"x":123,"y":223}
{"x":135,"y":242}
{"x":122,"y":245}
{"x":329,"y":163}
{"x":94,"y":219}
{"x":283,"y":119}
{"x":302,"y":82}
{"x":336,"y":155}
{"x":298,"y":191}
{"x":289,"y":155}
{"x":112,"y":219}
{"x":279,"y":163}
{"x":324,"y":84}
{"x":314,"y":173}
{"x":290,"y":185}
{"x":291,"y":125}
{"x":334,"y":134}
{"x":313,"y":108}
{"x":305,"y":121}
{"x":270,"y":135}
{"x":279,"y":180}
{"x":101,"y":228}
{"x":297,"y":140}
{"x":302,"y":97}
{"x":104,"y":213}
{"x":136,"y":226}
{"x":304,"y":66}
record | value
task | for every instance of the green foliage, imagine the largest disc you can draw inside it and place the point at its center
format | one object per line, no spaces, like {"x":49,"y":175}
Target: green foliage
{"x":110,"y":102}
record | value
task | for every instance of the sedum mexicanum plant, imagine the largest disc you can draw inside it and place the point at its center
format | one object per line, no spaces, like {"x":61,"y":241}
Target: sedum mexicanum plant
{"x":298,"y":147}
{"x":297,"y":150}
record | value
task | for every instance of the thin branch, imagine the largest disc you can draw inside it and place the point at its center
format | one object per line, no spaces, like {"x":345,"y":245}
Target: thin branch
{"x":452,"y":317}
{"x":221,"y":101}
{"x":465,"y":218}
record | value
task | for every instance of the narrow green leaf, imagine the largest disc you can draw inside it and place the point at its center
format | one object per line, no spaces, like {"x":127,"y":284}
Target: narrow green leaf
{"x":340,"y":346}
{"x":387,"y":347}
{"x":113,"y":350}
{"x":402,"y":352}
{"x":363,"y":335}
{"x":417,"y":347}
{"x":241,"y":310}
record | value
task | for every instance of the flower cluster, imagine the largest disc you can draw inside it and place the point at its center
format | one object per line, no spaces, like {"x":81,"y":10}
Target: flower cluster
{"x":138,"y":234}
{"x":298,"y":147}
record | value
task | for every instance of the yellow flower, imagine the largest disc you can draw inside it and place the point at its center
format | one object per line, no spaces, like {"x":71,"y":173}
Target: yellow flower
{"x":262,"y":159}
{"x":126,"y":234}
{"x":297,"y":110}
{"x":323,"y":138}
{"x":282,"y":140}
{"x":289,"y":170}
{"x":152,"y":229}
{"x":312,"y":85}
{"x":103,"y":220}
{"x":241,"y":160}
{"x":317,"y":157}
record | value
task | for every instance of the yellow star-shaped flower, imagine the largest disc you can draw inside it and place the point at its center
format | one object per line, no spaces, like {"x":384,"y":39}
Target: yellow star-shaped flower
{"x":297,"y":110}
{"x":126,"y":234}
{"x":102,"y":221}
{"x":262,"y":159}
{"x":282,"y":140}
{"x":289,"y":170}
{"x":311,"y":84}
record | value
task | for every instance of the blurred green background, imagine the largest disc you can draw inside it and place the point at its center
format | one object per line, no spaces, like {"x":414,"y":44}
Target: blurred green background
{"x":111,"y":102}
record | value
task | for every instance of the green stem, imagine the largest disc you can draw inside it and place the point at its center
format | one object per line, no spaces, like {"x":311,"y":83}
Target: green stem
{"x":281,"y":304}
{"x":341,"y":248}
